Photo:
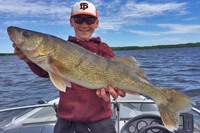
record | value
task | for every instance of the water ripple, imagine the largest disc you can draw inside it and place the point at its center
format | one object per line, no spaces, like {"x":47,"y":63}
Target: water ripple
{"x":178,"y":69}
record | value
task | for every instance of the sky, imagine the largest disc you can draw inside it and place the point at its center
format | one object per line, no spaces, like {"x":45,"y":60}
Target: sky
{"x":121,"y":22}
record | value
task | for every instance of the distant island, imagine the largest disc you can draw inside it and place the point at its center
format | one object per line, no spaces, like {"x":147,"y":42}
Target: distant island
{"x":142,"y":47}
{"x":157,"y":46}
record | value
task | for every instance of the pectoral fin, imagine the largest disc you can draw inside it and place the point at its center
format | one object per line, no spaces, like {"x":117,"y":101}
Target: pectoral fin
{"x":59,"y":82}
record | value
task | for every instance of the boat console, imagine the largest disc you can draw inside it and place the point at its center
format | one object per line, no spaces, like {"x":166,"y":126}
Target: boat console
{"x":149,"y":123}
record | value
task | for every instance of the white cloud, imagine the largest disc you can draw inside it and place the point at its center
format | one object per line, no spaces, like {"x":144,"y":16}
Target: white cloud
{"x":19,"y":22}
{"x":148,"y":33}
{"x":3,"y":37}
{"x":172,"y":29}
{"x":169,"y":39}
{"x":2,"y":31}
{"x":180,"y":28}
{"x":97,"y":3}
{"x":40,"y":22}
{"x":114,"y":15}
{"x":117,"y":14}
{"x":108,"y":25}
{"x":166,"y":40}
{"x":36,"y":8}
{"x":146,"y":10}
{"x":192,"y":18}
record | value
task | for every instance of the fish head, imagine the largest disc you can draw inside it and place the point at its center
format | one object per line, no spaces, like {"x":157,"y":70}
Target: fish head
{"x":24,"y":39}
{"x":33,"y":44}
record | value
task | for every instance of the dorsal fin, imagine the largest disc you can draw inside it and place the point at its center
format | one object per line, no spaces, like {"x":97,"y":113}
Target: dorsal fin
{"x":130,"y":61}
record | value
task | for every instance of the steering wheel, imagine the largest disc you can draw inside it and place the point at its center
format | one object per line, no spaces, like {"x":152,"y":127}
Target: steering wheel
{"x":146,"y":128}
{"x":154,"y":126}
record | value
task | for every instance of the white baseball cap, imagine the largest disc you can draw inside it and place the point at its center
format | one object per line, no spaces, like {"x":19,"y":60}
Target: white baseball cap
{"x":84,"y":8}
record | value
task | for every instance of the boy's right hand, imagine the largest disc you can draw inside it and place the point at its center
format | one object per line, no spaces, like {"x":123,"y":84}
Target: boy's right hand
{"x":20,"y":54}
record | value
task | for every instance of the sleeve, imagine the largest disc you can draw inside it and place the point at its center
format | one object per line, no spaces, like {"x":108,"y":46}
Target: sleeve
{"x":107,"y":51}
{"x":38,"y":70}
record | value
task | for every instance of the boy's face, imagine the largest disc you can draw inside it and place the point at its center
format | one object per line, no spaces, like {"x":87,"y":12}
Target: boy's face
{"x":83,"y":31}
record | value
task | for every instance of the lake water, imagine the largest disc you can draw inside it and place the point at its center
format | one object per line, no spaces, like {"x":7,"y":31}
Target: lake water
{"x":177,"y":68}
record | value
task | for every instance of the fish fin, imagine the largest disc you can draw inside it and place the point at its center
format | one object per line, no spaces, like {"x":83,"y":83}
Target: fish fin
{"x":170,"y":109}
{"x":59,"y":82}
{"x":133,"y":93}
{"x":131,"y":62}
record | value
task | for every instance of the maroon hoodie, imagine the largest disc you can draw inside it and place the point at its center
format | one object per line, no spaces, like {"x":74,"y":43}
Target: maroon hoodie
{"x":78,"y":103}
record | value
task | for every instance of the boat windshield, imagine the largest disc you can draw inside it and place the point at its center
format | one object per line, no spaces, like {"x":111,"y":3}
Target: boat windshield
{"x":27,"y":116}
{"x":129,"y":110}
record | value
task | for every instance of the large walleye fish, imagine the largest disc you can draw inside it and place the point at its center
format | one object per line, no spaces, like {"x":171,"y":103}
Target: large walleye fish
{"x":67,"y":62}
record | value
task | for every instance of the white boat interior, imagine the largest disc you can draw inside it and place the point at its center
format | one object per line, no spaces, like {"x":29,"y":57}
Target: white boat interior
{"x":131,"y":114}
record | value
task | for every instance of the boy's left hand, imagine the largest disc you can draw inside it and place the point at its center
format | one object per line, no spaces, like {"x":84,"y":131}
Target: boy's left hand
{"x":102,"y":93}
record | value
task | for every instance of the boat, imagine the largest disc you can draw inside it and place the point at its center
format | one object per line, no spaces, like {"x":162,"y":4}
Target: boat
{"x":131,"y":114}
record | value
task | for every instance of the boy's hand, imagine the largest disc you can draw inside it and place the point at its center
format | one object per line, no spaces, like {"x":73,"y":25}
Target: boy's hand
{"x":102,"y":93}
{"x":20,"y":54}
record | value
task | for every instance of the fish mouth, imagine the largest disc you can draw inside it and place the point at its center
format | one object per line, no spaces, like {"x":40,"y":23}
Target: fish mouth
{"x":11,"y":33}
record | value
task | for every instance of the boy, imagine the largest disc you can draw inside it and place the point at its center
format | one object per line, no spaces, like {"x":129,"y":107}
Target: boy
{"x":80,"y":109}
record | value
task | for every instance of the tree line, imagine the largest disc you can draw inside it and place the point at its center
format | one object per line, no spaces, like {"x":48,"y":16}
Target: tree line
{"x":5,"y":54}
{"x":143,"y":47}
{"x":157,"y":46}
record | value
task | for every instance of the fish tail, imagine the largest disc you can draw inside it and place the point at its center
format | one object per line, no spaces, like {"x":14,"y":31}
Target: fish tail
{"x":170,"y":107}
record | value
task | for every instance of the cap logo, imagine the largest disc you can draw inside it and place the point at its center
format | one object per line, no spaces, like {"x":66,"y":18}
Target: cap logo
{"x":83,"y":6}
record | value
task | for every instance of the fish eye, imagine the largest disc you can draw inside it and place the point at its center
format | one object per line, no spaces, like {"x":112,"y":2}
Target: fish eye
{"x":26,"y":34}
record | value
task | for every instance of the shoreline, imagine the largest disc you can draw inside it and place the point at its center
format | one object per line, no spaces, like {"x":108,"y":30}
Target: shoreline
{"x":156,"y":46}
{"x":6,"y":54}
{"x":141,"y":47}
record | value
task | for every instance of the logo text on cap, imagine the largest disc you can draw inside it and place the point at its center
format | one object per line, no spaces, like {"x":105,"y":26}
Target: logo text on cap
{"x":83,"y":6}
